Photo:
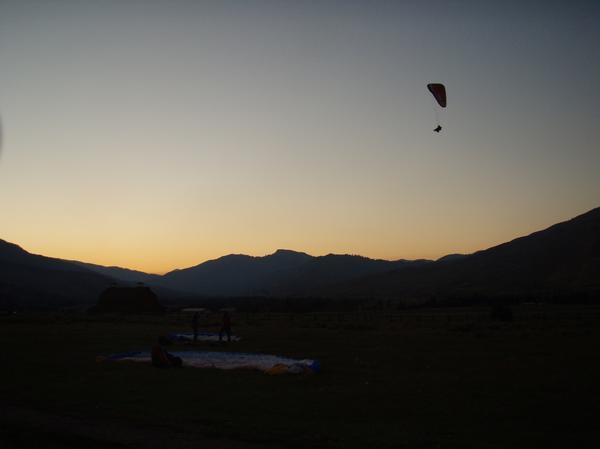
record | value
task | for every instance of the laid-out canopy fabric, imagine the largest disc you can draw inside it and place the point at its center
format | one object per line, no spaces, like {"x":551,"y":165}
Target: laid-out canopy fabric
{"x":271,"y":364}
{"x":439,"y":93}
{"x":202,"y":336}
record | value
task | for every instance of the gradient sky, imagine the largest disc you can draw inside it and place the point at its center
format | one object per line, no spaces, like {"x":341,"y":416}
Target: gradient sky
{"x":159,"y":134}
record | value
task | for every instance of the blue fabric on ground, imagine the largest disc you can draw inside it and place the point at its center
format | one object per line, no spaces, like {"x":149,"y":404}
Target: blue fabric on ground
{"x":202,"y":336}
{"x":228,"y":360}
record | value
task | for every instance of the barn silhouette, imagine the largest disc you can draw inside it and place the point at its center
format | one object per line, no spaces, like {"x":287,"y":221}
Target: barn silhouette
{"x":138,"y":300}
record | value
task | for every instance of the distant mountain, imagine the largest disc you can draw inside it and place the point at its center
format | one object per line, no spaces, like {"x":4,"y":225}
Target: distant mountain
{"x":451,"y":257}
{"x":560,"y":260}
{"x":319,"y":272}
{"x":125,"y":276}
{"x":28,"y":279}
{"x":236,"y":274}
{"x":283,"y":273}
{"x":122,"y":274}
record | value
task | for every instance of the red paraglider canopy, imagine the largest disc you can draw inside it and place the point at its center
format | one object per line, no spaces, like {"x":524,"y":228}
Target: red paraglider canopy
{"x":439,"y":93}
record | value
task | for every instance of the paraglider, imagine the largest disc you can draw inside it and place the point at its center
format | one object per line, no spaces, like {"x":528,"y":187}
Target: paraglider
{"x":439,"y":93}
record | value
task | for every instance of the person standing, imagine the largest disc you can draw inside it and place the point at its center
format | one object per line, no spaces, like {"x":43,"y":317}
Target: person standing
{"x":196,"y":325}
{"x":226,"y":328}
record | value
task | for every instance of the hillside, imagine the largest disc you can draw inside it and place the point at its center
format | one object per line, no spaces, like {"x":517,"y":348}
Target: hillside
{"x":31,"y":280}
{"x":122,"y":274}
{"x":563,"y":259}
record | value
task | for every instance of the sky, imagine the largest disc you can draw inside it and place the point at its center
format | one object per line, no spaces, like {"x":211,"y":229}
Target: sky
{"x":159,"y":134}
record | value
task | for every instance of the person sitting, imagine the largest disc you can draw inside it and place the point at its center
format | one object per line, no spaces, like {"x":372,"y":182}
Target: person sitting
{"x":162,"y":359}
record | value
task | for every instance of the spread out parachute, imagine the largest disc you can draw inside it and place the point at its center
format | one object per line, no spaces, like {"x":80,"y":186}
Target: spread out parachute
{"x":267,"y":363}
{"x":439,"y":93}
{"x":200,"y":336}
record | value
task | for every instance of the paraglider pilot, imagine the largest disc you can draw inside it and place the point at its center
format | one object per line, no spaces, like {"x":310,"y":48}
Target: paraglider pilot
{"x":438,"y":91}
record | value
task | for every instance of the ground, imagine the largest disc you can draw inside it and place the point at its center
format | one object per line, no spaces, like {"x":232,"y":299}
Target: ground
{"x":437,"y":378}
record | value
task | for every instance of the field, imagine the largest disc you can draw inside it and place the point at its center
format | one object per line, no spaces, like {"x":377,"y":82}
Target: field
{"x":428,"y":378}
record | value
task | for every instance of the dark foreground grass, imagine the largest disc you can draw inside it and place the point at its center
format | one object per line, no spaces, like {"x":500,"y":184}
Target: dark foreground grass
{"x":445,"y":379}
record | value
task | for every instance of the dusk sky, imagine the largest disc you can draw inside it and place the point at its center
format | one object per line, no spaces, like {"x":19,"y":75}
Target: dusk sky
{"x":158,"y":134}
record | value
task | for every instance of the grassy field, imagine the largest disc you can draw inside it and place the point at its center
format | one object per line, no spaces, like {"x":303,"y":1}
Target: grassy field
{"x":418,"y":379}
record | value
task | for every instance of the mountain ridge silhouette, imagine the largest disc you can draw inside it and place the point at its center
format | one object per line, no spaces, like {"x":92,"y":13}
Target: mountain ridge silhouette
{"x":564,"y":257}
{"x":561,"y":259}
